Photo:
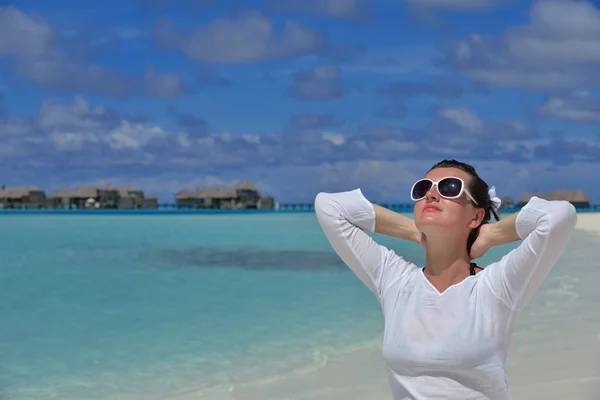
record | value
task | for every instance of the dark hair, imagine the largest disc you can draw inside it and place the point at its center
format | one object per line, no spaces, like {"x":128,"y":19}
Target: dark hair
{"x":478,"y":189}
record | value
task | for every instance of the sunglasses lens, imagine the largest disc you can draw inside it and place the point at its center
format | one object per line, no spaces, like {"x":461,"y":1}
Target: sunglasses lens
{"x":450,"y":187}
{"x":421,"y":188}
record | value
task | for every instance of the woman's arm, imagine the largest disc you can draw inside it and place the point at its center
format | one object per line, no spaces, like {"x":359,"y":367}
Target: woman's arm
{"x":393,"y":224}
{"x":496,"y":234}
{"x":345,"y":218}
{"x":545,"y":228}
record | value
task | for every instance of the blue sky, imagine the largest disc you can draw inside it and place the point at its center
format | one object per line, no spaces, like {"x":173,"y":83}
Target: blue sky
{"x":299,"y":96}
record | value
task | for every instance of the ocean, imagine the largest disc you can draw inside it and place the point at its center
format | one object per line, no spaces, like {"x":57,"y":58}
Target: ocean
{"x":111,"y":307}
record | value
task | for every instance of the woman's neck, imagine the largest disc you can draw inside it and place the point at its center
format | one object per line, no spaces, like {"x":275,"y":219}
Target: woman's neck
{"x":447,"y":261}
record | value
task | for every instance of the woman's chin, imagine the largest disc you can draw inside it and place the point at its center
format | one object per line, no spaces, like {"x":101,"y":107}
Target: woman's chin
{"x":435,"y":225}
{"x":431,"y":219}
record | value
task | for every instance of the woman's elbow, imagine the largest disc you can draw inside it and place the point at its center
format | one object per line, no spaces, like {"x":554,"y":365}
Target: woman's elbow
{"x":565,"y":215}
{"x":325,"y":205}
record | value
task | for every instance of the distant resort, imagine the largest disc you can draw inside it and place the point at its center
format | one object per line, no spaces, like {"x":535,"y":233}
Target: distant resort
{"x":241,"y":196}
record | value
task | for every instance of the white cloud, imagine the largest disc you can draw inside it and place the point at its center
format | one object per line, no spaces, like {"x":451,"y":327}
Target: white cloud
{"x":34,"y":50}
{"x":96,"y":142}
{"x":130,"y":136}
{"x":163,"y":85}
{"x":24,"y":34}
{"x":323,"y":82}
{"x":343,"y":9}
{"x":246,"y":38}
{"x":559,"y":48}
{"x":335,"y":138}
{"x":579,"y":106}
{"x":77,"y":115}
{"x":462,"y":117}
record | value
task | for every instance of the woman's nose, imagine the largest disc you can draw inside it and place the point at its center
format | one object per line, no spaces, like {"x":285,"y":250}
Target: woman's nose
{"x":432,"y":193}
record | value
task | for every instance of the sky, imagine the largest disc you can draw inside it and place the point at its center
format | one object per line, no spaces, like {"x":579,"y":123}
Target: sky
{"x":299,"y":96}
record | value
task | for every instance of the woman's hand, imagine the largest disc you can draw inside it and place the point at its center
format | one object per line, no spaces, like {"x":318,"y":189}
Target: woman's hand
{"x":483,"y":242}
{"x":496,"y":234}
{"x":391,"y":223}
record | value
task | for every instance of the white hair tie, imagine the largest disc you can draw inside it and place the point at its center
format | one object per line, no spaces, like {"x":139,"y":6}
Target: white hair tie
{"x":494,"y":200}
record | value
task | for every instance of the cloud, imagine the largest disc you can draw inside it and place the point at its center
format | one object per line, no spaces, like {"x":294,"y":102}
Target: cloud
{"x":152,"y":5}
{"x":12,"y":126}
{"x":454,"y":5}
{"x":192,"y":124}
{"x":22,"y":34}
{"x":439,"y":88}
{"x":461,"y":122}
{"x":356,"y":10}
{"x":304,"y":121}
{"x":558,"y":49}
{"x":206,"y":77}
{"x":74,"y":126}
{"x":459,"y":132}
{"x":163,"y":85}
{"x":392,"y":111}
{"x":323,"y":82}
{"x":579,"y":106}
{"x":77,"y":141}
{"x":35,"y":54}
{"x":248,"y":37}
{"x":103,"y":136}
{"x":59,"y":73}
{"x":564,"y":152}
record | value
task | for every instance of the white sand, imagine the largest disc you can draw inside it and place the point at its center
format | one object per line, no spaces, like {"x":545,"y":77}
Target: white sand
{"x":589,"y":222}
{"x":555,"y":353}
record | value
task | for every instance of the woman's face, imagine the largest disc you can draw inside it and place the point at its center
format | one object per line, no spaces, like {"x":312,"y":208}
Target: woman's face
{"x":435,"y":214}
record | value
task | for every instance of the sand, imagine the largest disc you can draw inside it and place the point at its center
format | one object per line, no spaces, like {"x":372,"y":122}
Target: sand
{"x":555,"y":354}
{"x":589,"y":222}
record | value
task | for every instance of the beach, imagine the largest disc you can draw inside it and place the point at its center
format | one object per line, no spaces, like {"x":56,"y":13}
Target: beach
{"x":241,"y":307}
{"x":589,"y":222}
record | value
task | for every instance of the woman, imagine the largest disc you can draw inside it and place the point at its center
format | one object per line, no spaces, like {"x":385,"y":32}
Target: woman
{"x":449,"y":324}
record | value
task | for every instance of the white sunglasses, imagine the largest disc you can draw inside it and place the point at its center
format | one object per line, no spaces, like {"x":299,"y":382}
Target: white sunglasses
{"x":449,"y":187}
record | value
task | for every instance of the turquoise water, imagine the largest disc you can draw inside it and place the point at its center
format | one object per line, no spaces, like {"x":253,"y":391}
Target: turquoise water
{"x":147,"y":306}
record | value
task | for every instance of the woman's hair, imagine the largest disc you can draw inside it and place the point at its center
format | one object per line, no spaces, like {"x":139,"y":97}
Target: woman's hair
{"x":478,"y":189}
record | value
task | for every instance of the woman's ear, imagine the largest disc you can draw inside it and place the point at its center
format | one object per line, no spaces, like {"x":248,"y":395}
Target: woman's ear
{"x":477,"y":218}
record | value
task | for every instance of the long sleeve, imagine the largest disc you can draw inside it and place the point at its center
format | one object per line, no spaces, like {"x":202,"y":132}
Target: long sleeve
{"x":545,"y":228}
{"x":345,"y":218}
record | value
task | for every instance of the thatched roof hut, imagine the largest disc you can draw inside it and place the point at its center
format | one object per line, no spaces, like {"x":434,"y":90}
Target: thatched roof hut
{"x":85,"y":192}
{"x":576,"y":197}
{"x":245,"y":185}
{"x":63,"y":192}
{"x":525,"y":197}
{"x":17,"y":192}
{"x":195,"y":194}
{"x":221,"y":193}
{"x":242,"y":194}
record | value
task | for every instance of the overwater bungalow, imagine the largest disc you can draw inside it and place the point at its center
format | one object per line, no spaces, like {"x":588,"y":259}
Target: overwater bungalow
{"x":243,"y":195}
{"x":507,"y":201}
{"x":108,"y":196}
{"x":525,"y":197}
{"x":22,"y":197}
{"x":576,"y":197}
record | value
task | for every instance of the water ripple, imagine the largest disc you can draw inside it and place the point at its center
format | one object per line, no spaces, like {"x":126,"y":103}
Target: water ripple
{"x":247,"y":259}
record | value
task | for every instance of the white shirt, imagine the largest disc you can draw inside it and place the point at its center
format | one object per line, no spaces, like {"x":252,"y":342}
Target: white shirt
{"x":449,"y":345}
